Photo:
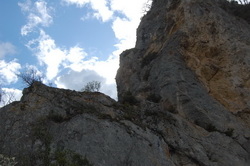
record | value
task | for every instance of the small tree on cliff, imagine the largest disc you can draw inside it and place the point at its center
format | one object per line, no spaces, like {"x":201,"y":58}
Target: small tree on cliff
{"x":244,"y":2}
{"x":93,"y":86}
{"x":146,"y":6}
{"x":30,"y":75}
{"x":6,"y":97}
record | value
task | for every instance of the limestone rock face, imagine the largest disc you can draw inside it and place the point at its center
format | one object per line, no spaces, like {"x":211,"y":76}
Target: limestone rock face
{"x":192,"y":59}
{"x":196,"y":35}
{"x":61,"y":127}
{"x":183,"y":100}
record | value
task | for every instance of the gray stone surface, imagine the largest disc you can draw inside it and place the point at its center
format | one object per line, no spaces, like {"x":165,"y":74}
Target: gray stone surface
{"x":48,"y":121}
{"x":191,"y":58}
{"x":183,"y":100}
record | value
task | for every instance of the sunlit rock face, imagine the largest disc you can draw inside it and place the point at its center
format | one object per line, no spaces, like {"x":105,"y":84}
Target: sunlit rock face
{"x":190,"y":48}
{"x":193,"y":57}
{"x":188,"y":40}
{"x":183,"y":99}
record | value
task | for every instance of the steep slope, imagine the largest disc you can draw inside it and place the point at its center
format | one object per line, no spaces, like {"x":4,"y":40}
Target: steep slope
{"x":192,"y":58}
{"x":198,"y":35}
{"x":183,"y":100}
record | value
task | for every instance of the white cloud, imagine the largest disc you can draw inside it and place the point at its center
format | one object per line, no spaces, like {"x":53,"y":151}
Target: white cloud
{"x":79,"y":3}
{"x":38,"y":14}
{"x":133,"y":13}
{"x":80,"y":69}
{"x":126,"y":36}
{"x":77,"y":80}
{"x":100,"y":7}
{"x":87,"y":17}
{"x":106,"y":69}
{"x":83,"y":71}
{"x":8,"y":71}
{"x":47,"y":53}
{"x":130,"y":8}
{"x":54,"y":57}
{"x":6,"y":48}
{"x":75,"y":57}
{"x":124,"y":28}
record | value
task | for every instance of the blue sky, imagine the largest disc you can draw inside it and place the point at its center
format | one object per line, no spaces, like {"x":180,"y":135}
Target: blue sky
{"x":71,"y":42}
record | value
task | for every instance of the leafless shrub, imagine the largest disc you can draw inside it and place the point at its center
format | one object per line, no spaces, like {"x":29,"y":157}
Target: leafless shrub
{"x":6,"y":97}
{"x":146,"y":6}
{"x":93,"y":86}
{"x":244,"y":2}
{"x":30,"y":75}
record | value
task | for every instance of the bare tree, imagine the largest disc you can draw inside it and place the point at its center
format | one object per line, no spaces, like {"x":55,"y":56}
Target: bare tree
{"x":93,"y":86}
{"x":30,"y":75}
{"x":146,"y":6}
{"x":6,"y":97}
{"x":244,"y":2}
{"x":10,"y":97}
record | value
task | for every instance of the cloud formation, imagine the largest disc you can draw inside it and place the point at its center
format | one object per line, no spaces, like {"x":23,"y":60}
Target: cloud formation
{"x":8,"y":71}
{"x":6,"y":49}
{"x":54,"y":57}
{"x":107,"y":10}
{"x":38,"y":14}
{"x":74,"y":59}
{"x":79,"y":67}
{"x":133,"y":14}
{"x":124,"y":26}
{"x":77,"y":80}
{"x":100,"y":7}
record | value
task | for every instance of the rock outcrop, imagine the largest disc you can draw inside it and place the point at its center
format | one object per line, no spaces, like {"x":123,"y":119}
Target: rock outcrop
{"x":179,"y":36}
{"x":184,"y":99}
{"x":192,"y":58}
{"x":62,"y":127}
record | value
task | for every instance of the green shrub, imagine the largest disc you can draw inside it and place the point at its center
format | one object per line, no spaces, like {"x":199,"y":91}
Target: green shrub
{"x":70,"y":158}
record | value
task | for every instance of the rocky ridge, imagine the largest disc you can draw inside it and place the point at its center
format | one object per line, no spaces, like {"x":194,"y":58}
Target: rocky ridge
{"x":183,"y":99}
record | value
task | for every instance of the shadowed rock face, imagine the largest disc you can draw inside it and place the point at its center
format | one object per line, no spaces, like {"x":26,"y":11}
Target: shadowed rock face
{"x":63,"y":127}
{"x":183,"y":100}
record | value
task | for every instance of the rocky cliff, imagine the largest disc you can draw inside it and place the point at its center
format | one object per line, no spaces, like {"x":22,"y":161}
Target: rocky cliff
{"x":184,"y":93}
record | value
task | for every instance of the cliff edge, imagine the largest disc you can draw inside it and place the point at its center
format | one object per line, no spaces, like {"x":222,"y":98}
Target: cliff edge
{"x":183,"y":99}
